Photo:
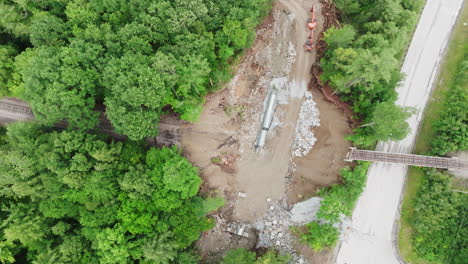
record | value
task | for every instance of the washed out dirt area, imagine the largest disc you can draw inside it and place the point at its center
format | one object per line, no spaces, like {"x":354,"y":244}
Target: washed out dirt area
{"x":305,"y":147}
{"x":321,"y":166}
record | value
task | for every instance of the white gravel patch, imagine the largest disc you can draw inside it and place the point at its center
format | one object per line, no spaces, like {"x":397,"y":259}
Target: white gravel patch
{"x":297,"y":89}
{"x":305,"y":212}
{"x":291,"y":57}
{"x":308,"y":118}
{"x":280,"y":84}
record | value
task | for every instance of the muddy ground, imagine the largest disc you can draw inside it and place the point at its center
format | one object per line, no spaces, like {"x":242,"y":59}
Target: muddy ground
{"x":322,"y":165}
{"x":221,"y":143}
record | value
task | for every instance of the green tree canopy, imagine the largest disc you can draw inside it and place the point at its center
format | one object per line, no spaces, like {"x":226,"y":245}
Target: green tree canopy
{"x":320,"y":236}
{"x":60,"y":83}
{"x":135,"y":57}
{"x":451,"y":129}
{"x":362,"y":60}
{"x":71,"y":197}
{"x":242,"y":255}
{"x":239,"y":255}
{"x":389,"y":121}
{"x":7,"y":55}
{"x":439,"y":220}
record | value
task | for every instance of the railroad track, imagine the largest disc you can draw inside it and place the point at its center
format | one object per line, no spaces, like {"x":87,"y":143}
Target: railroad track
{"x":12,"y":109}
{"x":9,"y":105}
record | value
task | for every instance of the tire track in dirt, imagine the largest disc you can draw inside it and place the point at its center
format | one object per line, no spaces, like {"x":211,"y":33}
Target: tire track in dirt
{"x":263,"y":175}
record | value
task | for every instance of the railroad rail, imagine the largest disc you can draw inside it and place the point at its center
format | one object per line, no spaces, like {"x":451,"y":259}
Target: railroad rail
{"x":13,"y":106}
{"x":407,"y":159}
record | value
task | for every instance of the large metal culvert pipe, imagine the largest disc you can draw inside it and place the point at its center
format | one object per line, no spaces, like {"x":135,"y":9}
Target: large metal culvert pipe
{"x":266,"y":120}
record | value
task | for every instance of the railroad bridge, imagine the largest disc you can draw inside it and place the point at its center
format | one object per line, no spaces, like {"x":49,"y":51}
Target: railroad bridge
{"x":407,"y":159}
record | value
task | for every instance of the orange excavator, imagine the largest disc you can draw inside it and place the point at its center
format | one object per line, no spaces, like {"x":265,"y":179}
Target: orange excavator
{"x":311,"y":24}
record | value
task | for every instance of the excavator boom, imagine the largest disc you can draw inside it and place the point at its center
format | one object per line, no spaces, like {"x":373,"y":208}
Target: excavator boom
{"x":311,"y":24}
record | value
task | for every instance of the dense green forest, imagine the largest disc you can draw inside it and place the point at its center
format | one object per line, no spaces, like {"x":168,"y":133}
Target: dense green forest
{"x":71,"y":197}
{"x":362,"y":63}
{"x":138,"y":58}
{"x":451,"y":129}
{"x":440,"y":215}
{"x":440,"y":220}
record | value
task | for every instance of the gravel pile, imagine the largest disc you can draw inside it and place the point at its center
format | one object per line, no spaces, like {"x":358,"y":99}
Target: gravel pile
{"x":291,"y":57}
{"x":273,"y":228}
{"x":305,"y":212}
{"x":308,"y":118}
{"x":273,"y":231}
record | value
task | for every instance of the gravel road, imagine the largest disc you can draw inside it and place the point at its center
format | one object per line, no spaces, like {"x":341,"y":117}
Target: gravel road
{"x":370,"y":238}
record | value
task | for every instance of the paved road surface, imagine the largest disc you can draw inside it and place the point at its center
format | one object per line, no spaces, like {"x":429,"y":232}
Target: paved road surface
{"x":370,"y":238}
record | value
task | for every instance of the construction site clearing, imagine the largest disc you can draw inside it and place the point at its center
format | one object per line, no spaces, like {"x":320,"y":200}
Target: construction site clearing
{"x":302,"y":147}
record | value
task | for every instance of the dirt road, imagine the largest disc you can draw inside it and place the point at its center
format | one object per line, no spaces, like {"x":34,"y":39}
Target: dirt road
{"x":370,"y":237}
{"x":278,"y":53}
{"x":221,"y":143}
{"x":263,"y":175}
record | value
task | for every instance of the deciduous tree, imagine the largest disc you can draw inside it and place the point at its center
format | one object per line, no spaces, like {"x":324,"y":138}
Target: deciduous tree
{"x":389,"y":121}
{"x":75,"y":197}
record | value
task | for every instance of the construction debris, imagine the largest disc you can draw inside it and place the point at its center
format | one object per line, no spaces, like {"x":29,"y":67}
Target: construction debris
{"x":308,"y":118}
{"x":274,"y":231}
{"x":241,"y":194}
{"x":239,"y":229}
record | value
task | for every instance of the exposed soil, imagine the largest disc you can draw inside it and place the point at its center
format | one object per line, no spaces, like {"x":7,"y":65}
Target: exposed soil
{"x":322,"y":165}
{"x":221,"y":143}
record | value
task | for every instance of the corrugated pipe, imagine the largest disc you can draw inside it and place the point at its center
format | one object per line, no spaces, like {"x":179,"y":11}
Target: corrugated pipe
{"x":266,"y":120}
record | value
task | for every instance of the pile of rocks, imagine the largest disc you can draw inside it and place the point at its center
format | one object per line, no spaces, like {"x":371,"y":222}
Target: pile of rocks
{"x":273,"y":228}
{"x":308,"y":118}
{"x":273,"y":231}
{"x":243,"y":230}
{"x":305,"y":212}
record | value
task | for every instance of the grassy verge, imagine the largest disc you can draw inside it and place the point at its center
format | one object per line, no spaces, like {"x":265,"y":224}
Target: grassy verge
{"x":414,"y":181}
{"x":455,"y":54}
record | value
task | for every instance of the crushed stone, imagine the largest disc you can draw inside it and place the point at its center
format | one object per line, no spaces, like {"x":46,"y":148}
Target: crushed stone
{"x":273,"y":231}
{"x":308,"y":118}
{"x":305,"y":212}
